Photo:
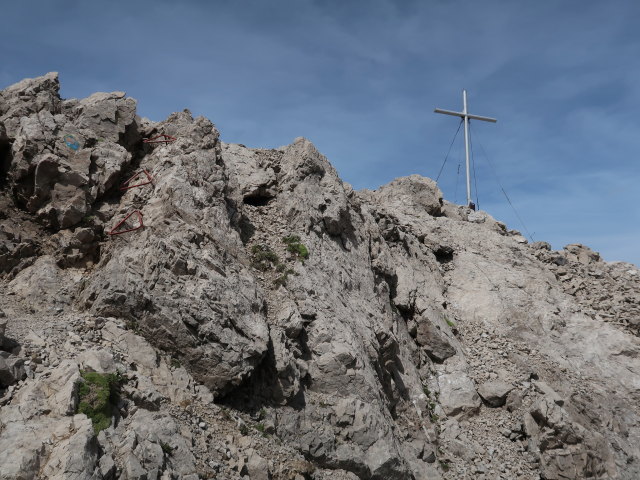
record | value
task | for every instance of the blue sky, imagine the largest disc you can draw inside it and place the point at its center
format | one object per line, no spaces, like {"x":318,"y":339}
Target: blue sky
{"x":361,"y":79}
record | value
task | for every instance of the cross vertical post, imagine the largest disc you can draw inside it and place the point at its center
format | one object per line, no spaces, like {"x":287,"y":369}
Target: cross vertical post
{"x":466,"y":144}
{"x":466,"y":116}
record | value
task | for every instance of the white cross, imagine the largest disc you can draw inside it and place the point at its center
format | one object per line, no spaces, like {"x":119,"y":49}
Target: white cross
{"x":466,"y":117}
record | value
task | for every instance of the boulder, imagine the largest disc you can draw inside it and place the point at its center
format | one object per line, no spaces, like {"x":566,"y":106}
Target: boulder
{"x":253,"y":172}
{"x":11,"y":369}
{"x":494,"y":392}
{"x":581,"y":254}
{"x":434,"y":341}
{"x":547,"y":391}
{"x":514,"y":400}
{"x":458,"y":396}
{"x":154,"y":380}
{"x":257,"y":466}
{"x":97,"y":360}
{"x":107,"y":115}
{"x":414,"y":192}
{"x":54,"y":394}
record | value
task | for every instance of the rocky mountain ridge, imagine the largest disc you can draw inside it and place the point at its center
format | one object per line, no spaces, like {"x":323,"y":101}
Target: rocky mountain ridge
{"x":269,"y":322}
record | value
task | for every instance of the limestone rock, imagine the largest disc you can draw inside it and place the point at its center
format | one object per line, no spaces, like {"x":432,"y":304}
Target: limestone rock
{"x":155,"y":381}
{"x":11,"y":369}
{"x":150,"y":445}
{"x":108,"y":115}
{"x":95,"y":360}
{"x":57,"y":181}
{"x":458,"y":395}
{"x":253,"y":172}
{"x":414,"y":193}
{"x":434,"y":341}
{"x":494,"y":392}
{"x":226,"y":309}
{"x":549,"y":392}
{"x":568,"y":450}
{"x":41,"y":433}
{"x":257,"y":467}
{"x":582,"y":254}
{"x":57,"y":448}
{"x":360,"y":358}
{"x":52,"y":395}
{"x":31,"y":95}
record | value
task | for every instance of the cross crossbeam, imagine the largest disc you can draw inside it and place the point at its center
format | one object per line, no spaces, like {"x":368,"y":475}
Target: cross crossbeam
{"x":466,"y":116}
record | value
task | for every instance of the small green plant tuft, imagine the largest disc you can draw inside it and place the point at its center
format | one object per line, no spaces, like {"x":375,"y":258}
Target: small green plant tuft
{"x":296,"y":247}
{"x":244,"y":430}
{"x":281,"y":281}
{"x":426,"y":390}
{"x":175,"y":363}
{"x":97,"y":395}
{"x":444,"y":465}
{"x":263,"y":257}
{"x":261,"y":428}
{"x":166,"y":448}
{"x":289,"y":239}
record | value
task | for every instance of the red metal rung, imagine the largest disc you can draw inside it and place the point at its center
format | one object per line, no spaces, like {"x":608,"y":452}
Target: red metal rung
{"x":126,"y":186}
{"x":167,"y":139}
{"x":113,"y":230}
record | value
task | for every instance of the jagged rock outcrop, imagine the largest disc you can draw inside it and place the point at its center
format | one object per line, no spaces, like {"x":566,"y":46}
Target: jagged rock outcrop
{"x":269,"y":322}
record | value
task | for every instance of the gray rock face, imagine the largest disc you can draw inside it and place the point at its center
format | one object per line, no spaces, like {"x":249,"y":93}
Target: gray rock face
{"x":58,"y":147}
{"x":26,"y":97}
{"x":40,"y":434}
{"x":270,"y":322}
{"x":605,"y":291}
{"x":150,"y":446}
{"x":203,"y":308}
{"x":568,"y":450}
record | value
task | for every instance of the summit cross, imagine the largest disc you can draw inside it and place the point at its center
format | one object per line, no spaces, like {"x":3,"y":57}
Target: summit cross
{"x":466,"y":116}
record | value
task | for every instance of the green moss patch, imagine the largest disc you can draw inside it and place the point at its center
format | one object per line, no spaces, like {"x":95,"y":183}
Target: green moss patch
{"x":97,"y":395}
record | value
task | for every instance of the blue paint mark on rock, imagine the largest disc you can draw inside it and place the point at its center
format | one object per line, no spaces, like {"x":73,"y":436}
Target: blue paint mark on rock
{"x":71,"y":142}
